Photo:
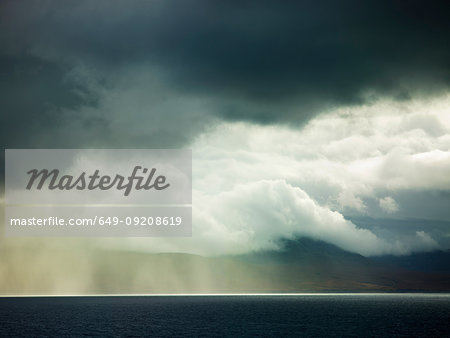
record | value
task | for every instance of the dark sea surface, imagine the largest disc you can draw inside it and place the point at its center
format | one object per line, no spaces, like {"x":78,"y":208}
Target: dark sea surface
{"x":350,"y":315}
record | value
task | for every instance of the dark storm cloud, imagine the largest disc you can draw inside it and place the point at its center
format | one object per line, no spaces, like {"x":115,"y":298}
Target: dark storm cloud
{"x":263,"y":61}
{"x":33,"y":91}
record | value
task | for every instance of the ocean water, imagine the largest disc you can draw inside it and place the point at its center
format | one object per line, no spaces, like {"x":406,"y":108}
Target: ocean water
{"x":350,"y":315}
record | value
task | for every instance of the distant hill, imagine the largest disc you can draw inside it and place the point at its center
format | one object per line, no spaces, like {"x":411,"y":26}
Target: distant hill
{"x":304,"y":265}
{"x":436,"y":261}
{"x":324,"y":266}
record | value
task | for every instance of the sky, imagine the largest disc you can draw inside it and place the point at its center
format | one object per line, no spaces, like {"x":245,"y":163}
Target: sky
{"x":320,"y":119}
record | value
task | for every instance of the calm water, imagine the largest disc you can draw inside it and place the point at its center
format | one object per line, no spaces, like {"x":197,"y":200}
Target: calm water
{"x":303,"y":315}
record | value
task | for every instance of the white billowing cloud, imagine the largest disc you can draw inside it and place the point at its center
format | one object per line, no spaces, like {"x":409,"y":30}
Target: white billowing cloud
{"x":345,"y":156}
{"x":255,"y":216}
{"x":388,"y":205}
{"x":258,"y":215}
{"x":341,"y":160}
{"x":254,"y":185}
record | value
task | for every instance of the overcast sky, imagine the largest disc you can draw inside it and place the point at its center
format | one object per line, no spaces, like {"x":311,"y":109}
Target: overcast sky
{"x":323,"y":119}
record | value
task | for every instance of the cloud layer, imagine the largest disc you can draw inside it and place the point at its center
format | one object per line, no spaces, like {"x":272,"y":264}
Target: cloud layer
{"x":336,"y":113}
{"x":257,"y":185}
{"x":100,"y":69}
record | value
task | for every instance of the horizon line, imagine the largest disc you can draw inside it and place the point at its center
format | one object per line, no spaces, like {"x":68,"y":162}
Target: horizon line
{"x":226,"y":294}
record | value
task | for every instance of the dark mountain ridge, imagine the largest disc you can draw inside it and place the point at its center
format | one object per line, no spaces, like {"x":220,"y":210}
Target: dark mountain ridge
{"x":435,"y":261}
{"x":304,"y":265}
